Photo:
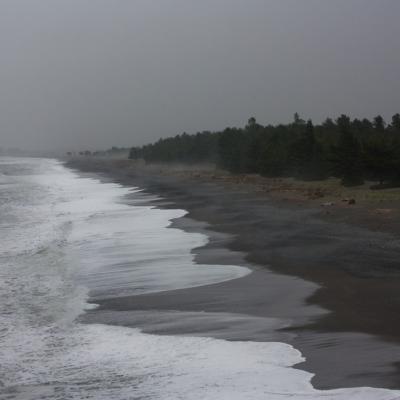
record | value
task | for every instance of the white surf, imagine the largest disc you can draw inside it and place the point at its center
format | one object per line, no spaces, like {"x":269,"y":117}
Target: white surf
{"x":64,"y":238}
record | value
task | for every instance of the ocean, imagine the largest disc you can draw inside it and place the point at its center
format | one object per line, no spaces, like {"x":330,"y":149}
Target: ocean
{"x":68,"y":240}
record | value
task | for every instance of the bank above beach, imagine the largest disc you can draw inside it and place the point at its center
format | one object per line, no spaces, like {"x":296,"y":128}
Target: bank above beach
{"x":326,"y":265}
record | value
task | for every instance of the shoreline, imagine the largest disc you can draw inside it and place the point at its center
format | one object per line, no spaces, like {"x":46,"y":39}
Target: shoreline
{"x":293,"y":242}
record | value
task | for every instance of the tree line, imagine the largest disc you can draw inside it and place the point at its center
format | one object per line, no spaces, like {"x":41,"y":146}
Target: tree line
{"x":113,"y":152}
{"x":353,"y":150}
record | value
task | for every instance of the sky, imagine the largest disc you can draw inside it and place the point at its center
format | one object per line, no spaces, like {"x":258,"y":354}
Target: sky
{"x":77,"y":74}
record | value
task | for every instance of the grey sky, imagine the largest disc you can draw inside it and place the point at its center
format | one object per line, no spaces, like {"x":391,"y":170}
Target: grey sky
{"x":97,"y":73}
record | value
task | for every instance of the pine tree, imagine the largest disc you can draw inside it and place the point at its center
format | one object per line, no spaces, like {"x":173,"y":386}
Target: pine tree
{"x":396,"y":123}
{"x":347,"y":155}
{"x":379,"y":160}
{"x":379,"y":124}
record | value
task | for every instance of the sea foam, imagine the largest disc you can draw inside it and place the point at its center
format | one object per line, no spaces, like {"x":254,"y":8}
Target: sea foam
{"x":89,"y":242}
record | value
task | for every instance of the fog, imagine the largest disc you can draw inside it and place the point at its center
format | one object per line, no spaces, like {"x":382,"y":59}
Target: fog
{"x":93,"y":74}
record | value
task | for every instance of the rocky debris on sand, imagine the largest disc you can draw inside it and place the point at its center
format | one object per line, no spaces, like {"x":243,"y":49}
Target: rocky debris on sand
{"x":315,"y":193}
{"x":349,"y":201}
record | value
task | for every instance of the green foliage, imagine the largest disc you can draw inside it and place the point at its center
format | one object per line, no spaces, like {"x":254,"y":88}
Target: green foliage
{"x":353,"y":150}
{"x":396,"y":123}
{"x":380,"y":160}
{"x":307,"y":155}
{"x":181,"y":148}
{"x":347,"y":158}
{"x":379,"y":124}
{"x":273,"y":159}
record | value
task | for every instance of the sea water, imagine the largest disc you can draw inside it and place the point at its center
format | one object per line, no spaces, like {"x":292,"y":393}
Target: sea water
{"x":67,"y":239}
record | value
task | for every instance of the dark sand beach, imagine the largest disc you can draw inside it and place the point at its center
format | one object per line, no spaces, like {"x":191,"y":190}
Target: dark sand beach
{"x":328,"y":280}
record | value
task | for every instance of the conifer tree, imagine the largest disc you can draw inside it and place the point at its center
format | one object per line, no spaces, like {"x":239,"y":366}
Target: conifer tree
{"x":347,"y":155}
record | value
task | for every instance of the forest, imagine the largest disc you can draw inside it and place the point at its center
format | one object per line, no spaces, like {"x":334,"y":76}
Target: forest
{"x":352,"y":150}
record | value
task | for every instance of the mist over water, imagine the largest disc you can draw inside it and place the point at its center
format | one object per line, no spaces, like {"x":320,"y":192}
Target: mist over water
{"x":66,"y":240}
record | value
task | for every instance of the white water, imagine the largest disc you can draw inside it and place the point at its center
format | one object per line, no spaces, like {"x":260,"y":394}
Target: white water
{"x":63,"y":237}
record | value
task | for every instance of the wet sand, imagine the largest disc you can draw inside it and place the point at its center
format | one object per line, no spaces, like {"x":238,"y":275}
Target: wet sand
{"x":328,"y":287}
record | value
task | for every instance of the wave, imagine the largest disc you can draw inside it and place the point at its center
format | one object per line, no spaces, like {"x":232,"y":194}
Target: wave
{"x":90,"y":244}
{"x":109,"y":363}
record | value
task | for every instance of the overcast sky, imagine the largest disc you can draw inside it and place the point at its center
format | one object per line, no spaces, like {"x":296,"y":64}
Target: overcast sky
{"x":97,"y":73}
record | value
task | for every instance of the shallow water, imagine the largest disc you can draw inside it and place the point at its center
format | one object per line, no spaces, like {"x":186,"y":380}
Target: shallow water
{"x":66,"y":240}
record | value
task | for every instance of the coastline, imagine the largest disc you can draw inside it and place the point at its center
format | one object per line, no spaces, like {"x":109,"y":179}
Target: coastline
{"x":284,"y":242}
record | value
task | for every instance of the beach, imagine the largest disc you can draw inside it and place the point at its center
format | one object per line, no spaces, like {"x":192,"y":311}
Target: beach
{"x":328,"y":283}
{"x":121,"y":284}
